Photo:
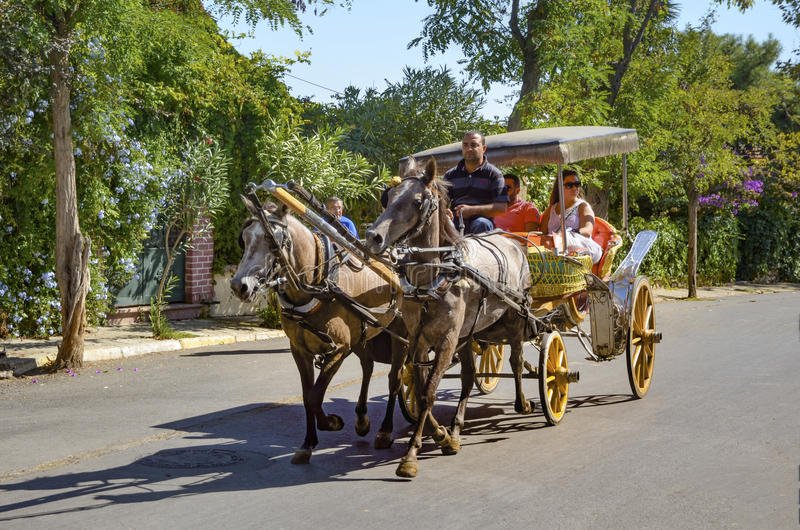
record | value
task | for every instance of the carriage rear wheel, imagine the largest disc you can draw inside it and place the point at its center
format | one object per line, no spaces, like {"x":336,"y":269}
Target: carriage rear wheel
{"x":642,"y":338}
{"x":488,"y":360}
{"x":553,"y":377}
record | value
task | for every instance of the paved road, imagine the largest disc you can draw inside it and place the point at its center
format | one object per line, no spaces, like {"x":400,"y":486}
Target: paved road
{"x":203,"y":438}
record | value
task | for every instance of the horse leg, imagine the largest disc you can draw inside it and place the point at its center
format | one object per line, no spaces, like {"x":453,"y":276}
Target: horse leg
{"x":467,"y":380}
{"x":362,"y":420}
{"x":521,"y":404}
{"x":327,"y":422}
{"x":383,"y":440}
{"x":306,"y":369}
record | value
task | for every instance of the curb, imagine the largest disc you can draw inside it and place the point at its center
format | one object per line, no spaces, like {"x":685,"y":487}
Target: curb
{"x":132,"y":347}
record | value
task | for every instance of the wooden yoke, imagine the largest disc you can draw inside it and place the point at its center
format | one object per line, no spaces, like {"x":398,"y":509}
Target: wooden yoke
{"x":283,"y":195}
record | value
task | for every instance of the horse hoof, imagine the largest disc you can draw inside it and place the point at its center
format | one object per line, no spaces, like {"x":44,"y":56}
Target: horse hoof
{"x":362,"y":426}
{"x":383,"y":440}
{"x":441,"y":437}
{"x":301,"y":456}
{"x":333,"y":423}
{"x":407,"y":469}
{"x":453,"y":447}
{"x":524,"y":407}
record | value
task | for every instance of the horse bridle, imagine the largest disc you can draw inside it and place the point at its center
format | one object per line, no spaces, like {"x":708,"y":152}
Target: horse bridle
{"x":428,"y":207}
{"x":277,"y":241}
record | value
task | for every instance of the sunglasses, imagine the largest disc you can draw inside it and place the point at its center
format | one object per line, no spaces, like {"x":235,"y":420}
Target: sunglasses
{"x":570,"y":185}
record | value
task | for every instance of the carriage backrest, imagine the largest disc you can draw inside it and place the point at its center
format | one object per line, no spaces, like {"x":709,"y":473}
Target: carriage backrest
{"x":605,"y":235}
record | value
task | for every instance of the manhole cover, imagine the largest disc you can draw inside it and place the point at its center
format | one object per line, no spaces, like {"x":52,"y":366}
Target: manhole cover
{"x":193,"y":459}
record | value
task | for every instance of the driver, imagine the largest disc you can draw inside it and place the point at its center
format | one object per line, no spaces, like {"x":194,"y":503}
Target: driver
{"x":477,"y":189}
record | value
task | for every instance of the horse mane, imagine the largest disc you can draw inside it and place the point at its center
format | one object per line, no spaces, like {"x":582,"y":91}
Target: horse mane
{"x":448,"y":229}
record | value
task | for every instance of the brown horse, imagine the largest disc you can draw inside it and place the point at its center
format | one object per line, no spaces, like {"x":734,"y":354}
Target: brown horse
{"x":322,"y":330}
{"x":442,"y":311}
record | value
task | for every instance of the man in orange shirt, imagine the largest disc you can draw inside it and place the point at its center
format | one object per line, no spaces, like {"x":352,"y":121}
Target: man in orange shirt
{"x":521,"y":216}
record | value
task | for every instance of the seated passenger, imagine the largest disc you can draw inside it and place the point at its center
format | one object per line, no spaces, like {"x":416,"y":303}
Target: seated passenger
{"x":521,"y":216}
{"x":477,"y":191}
{"x":579,"y":218}
{"x":335,"y":207}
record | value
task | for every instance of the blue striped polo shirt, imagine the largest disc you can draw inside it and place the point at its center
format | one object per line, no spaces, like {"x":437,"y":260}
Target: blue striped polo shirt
{"x":485,"y":185}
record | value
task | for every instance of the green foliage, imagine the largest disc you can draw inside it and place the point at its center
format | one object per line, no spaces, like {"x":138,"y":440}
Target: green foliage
{"x":270,"y":312}
{"x":159,"y":323}
{"x":320,"y":165}
{"x":717,"y":253}
{"x":118,"y":178}
{"x":665,"y":264}
{"x":144,"y":80}
{"x":770,"y":248}
{"x":427,"y":108}
{"x":275,"y":13}
{"x":194,"y":192}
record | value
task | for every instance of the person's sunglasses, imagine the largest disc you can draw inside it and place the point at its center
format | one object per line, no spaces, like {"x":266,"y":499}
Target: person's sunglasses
{"x":575,"y":184}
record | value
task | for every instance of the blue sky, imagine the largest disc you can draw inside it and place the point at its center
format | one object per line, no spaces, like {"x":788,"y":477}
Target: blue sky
{"x":366,"y":46}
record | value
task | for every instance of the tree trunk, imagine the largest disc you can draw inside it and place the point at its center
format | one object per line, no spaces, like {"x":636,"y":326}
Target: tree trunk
{"x":72,"y":248}
{"x":631,"y":38}
{"x":691,"y":258}
{"x":531,"y":61}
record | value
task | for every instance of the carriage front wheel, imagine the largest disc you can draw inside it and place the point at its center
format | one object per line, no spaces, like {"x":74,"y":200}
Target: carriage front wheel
{"x":642,"y":338}
{"x":488,"y":360}
{"x":409,"y":406}
{"x":553,"y":377}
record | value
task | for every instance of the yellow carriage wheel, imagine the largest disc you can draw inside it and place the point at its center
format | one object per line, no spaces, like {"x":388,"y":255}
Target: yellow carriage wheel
{"x":553,"y":377}
{"x":407,"y":398}
{"x":642,"y":338}
{"x":488,"y":359}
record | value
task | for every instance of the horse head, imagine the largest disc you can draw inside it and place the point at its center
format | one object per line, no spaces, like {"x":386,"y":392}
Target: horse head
{"x":258,"y":264}
{"x":411,"y":206}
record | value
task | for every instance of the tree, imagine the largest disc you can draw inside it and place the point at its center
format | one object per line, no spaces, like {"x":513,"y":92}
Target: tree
{"x":196,"y":190}
{"x":49,"y":32}
{"x":428,"y":107}
{"x":535,"y":42}
{"x":72,"y":248}
{"x":707,"y":116}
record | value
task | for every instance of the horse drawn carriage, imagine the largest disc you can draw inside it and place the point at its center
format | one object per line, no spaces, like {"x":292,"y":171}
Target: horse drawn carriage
{"x":467,"y":299}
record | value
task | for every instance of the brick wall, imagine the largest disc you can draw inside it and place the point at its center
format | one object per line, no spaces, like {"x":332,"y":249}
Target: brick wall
{"x":199,"y":287}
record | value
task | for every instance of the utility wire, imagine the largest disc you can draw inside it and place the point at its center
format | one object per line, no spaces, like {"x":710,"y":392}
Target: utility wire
{"x":310,"y":83}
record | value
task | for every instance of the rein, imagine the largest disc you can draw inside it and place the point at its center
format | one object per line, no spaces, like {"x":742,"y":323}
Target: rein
{"x":324,"y":276}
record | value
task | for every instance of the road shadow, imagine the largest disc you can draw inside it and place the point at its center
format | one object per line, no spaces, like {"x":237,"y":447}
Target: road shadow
{"x":224,"y":353}
{"x":599,"y":400}
{"x":249,"y":448}
{"x":240,"y":449}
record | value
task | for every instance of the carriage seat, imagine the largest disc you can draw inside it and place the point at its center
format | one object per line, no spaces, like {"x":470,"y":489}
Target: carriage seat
{"x":610,"y":241}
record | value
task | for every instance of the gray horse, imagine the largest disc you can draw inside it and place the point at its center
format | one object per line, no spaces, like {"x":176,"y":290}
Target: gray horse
{"x":444,"y":312}
{"x":321,"y":329}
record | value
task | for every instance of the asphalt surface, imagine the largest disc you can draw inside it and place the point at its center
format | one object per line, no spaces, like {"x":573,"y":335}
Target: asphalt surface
{"x":202,"y":438}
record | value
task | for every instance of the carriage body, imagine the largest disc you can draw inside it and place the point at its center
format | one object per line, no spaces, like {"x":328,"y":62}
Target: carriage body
{"x":619,"y":304}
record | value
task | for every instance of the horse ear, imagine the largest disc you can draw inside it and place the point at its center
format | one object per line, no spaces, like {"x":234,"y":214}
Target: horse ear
{"x":430,"y":171}
{"x":280,"y":210}
{"x":249,"y":205}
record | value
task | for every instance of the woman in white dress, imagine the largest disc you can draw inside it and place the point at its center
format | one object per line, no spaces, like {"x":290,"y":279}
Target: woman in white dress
{"x":579,"y":219}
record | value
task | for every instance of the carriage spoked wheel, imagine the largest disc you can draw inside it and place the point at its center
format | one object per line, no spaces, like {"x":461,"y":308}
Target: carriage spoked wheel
{"x":488,"y":360}
{"x":554,"y":377}
{"x":642,"y":338}
{"x":409,"y":405}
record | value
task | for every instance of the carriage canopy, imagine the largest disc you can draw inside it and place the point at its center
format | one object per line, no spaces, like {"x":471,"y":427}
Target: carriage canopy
{"x":549,"y":145}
